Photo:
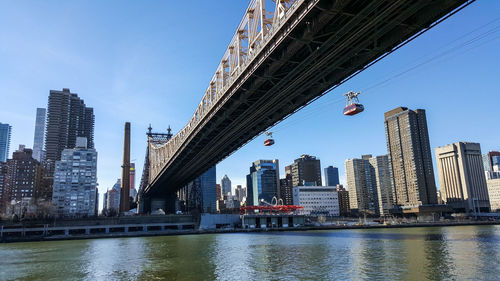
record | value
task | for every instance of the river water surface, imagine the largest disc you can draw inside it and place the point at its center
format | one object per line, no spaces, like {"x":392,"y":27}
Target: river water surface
{"x":430,"y":253}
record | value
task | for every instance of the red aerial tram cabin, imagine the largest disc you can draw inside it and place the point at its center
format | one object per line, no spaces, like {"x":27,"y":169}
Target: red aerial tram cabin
{"x":353,"y":106}
{"x":353,"y":109}
{"x":269,"y":141}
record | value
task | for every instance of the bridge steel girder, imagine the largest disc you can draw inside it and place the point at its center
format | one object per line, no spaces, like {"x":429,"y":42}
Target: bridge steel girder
{"x":322,"y":43}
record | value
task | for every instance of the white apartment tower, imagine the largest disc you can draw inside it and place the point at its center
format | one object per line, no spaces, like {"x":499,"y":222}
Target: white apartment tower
{"x":75,"y":181}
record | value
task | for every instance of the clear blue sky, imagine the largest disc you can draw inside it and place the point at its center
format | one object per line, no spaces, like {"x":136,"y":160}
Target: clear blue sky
{"x":150,"y":62}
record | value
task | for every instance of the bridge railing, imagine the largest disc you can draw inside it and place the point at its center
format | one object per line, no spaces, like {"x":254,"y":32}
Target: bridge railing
{"x":260,"y":23}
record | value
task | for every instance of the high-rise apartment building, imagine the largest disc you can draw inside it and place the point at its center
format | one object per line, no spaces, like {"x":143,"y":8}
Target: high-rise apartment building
{"x":306,"y":170}
{"x":362,"y":185}
{"x":343,"y":196}
{"x":331,"y":176}
{"x":22,"y":176}
{"x":226,"y":185}
{"x":410,"y":157}
{"x":380,"y":166}
{"x":3,"y":174}
{"x":461,"y":177}
{"x":263,"y":182}
{"x":39,"y":137}
{"x":67,"y":118}
{"x":75,"y":181}
{"x":5,"y":132}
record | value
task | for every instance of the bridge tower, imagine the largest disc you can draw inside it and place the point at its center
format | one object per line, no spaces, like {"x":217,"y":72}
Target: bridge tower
{"x":146,"y":204}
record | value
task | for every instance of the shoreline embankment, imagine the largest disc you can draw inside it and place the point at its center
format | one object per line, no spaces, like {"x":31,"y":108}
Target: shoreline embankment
{"x":163,"y":231}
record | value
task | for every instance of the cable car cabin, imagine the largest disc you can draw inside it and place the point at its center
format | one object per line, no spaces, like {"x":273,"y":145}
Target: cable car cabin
{"x":353,"y":109}
{"x":268,"y":142}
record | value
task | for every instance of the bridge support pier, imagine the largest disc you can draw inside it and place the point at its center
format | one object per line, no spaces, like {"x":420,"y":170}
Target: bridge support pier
{"x":157,"y":203}
{"x":166,"y":201}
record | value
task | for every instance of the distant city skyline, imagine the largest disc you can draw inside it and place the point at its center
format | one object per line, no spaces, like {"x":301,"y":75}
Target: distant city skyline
{"x":105,"y":72}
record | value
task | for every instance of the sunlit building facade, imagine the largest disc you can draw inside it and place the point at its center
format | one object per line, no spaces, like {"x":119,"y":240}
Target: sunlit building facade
{"x":410,"y":157}
{"x":75,"y":181}
{"x":263,"y":182}
{"x":362,"y":185}
{"x":461,"y":176}
{"x":317,"y":200}
{"x":494,"y":194}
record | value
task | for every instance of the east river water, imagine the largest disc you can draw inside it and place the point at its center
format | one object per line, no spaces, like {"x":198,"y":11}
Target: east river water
{"x":424,"y":253}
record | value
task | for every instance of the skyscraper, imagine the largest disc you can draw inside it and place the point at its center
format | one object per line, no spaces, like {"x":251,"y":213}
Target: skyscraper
{"x":226,"y":185}
{"x":67,"y":118}
{"x":113,"y":197}
{"x":202,"y":193}
{"x":410,"y":157}
{"x":286,"y":188}
{"x":263,"y":182}
{"x":331,"y":176}
{"x":5,"y":132}
{"x":486,"y":163}
{"x":239,"y":193}
{"x":306,"y":170}
{"x":39,"y":134}
{"x":380,"y":166}
{"x":362,"y":185}
{"x":208,"y":189}
{"x":461,"y":176}
{"x":75,"y":181}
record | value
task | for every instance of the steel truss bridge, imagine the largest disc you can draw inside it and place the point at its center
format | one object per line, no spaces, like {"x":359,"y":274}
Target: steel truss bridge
{"x":283,"y":55}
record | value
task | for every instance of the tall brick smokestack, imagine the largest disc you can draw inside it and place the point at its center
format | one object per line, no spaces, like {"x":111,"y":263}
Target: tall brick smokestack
{"x":125,"y":188}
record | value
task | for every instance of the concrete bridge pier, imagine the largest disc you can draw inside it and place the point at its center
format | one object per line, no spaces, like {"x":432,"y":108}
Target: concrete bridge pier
{"x":157,"y":203}
{"x":165,"y":201}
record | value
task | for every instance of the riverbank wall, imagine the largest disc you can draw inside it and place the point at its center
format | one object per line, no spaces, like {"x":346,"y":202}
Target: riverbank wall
{"x":121,"y":231}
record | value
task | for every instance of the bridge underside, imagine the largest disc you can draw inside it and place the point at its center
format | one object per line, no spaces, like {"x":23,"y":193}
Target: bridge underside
{"x":319,"y":47}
